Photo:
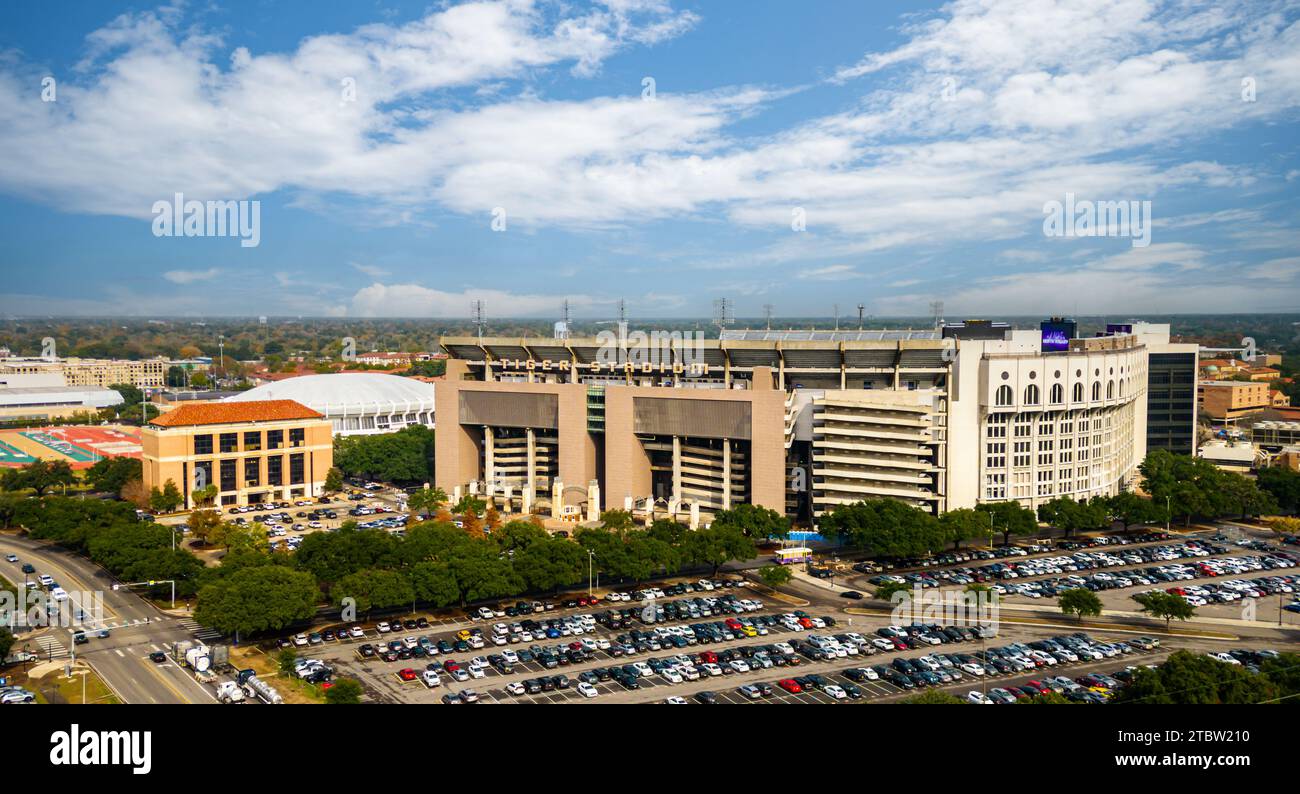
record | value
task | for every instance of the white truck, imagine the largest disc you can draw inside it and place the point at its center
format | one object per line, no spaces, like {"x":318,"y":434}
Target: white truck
{"x":229,"y":692}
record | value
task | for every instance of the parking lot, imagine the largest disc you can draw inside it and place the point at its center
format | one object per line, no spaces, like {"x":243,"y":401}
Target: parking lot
{"x":382,"y":683}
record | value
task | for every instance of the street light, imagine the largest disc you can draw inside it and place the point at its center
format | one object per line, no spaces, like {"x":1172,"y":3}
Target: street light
{"x":1167,"y":515}
{"x":591,"y":556}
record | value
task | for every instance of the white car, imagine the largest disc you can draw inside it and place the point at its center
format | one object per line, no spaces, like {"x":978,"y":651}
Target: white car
{"x":836,"y":692}
{"x":410,"y":642}
{"x":676,"y":700}
{"x":515,"y":688}
{"x":300,"y":639}
{"x":972,"y":669}
{"x":739,"y":665}
{"x":383,"y":628}
{"x":672,"y":676}
{"x":587,"y":690}
{"x":431,"y":679}
{"x":642,"y":669}
{"x":976,"y":696}
{"x":356,"y":632}
{"x":709,"y":668}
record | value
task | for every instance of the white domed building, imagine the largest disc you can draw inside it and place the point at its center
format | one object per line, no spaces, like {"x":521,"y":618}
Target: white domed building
{"x":356,"y":403}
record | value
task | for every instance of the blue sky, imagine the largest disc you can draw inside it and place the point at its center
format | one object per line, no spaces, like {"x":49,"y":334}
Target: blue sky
{"x":918,"y":141}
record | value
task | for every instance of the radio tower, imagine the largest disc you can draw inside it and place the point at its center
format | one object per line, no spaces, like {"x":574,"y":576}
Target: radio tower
{"x":722,"y":314}
{"x":767,"y":314}
{"x":862,"y":307}
{"x":622,"y":313}
{"x":477,"y":317}
{"x":936,"y":310}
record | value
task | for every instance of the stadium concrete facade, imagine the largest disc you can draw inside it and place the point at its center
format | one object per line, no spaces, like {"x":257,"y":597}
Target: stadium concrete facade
{"x":798,"y":421}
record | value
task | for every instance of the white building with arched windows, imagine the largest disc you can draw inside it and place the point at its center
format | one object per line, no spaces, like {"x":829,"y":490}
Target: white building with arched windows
{"x":1029,"y":425}
{"x":356,"y":403}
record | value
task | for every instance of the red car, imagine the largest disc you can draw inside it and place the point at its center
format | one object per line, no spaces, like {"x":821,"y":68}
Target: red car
{"x":450,"y":666}
{"x":790,"y":685}
{"x":1036,"y":686}
{"x":733,"y":624}
{"x":806,"y":623}
{"x":708,"y":657}
{"x":406,"y":674}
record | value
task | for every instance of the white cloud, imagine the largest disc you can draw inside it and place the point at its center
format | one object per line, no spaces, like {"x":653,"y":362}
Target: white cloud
{"x":414,"y":300}
{"x":830,"y":273}
{"x":369,"y":270}
{"x":191,"y":276}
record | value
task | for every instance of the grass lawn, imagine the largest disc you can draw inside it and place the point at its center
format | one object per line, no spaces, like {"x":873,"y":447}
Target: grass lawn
{"x":58,"y":688}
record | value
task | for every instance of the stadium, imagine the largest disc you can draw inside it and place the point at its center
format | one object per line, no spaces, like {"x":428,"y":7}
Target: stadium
{"x":356,"y":403}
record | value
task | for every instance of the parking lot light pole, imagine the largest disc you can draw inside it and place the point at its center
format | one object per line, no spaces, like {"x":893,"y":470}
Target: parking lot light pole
{"x":1167,"y":515}
{"x":591,"y":556}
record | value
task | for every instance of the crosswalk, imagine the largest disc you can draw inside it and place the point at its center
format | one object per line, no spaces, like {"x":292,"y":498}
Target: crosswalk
{"x":50,"y":647}
{"x":202,"y":633}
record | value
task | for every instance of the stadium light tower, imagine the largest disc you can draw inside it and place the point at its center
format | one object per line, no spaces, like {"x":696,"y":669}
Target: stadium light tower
{"x":723,"y":314}
{"x":477,"y":315}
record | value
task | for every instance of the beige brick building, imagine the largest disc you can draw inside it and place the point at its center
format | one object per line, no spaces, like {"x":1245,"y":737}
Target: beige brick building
{"x":269,"y":450}
{"x":791,"y":420}
{"x":1229,"y":400}
{"x":101,"y":373}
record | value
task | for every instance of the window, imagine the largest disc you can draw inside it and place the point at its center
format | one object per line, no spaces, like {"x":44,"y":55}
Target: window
{"x":202,"y":474}
{"x":274,"y":439}
{"x":297,"y":436}
{"x":1077,"y":393}
{"x":228,"y":475}
{"x":1110,"y":389}
{"x":253,"y":441}
{"x":296,"y":469}
{"x":203,"y":445}
{"x":229,"y":442}
{"x":1004,"y":396}
{"x":1096,"y":391}
{"x":1031,"y":395}
{"x":252,"y":472}
{"x":275,"y":470}
{"x":1058,"y":394}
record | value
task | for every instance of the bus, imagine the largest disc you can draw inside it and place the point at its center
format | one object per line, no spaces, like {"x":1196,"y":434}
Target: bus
{"x":792,"y":555}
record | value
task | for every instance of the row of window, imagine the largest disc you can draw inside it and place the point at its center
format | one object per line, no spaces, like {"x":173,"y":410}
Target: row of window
{"x":253,"y":441}
{"x":229,"y":468}
{"x":1056,"y":396}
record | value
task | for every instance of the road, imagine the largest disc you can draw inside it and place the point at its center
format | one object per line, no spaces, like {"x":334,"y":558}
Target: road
{"x":137,"y":628}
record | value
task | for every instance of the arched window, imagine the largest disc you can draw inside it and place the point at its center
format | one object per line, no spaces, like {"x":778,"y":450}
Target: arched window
{"x":1078,"y":393}
{"x":1058,"y":394}
{"x":1004,"y":395}
{"x":1096,"y":390}
{"x":1110,"y":389}
{"x":1121,"y":388}
{"x":1031,"y":395}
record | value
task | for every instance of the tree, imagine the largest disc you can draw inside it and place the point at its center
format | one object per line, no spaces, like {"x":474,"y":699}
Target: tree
{"x":1010,"y":518}
{"x":286,"y":660}
{"x":255,"y":599}
{"x":405,"y":456}
{"x":333,"y":480}
{"x":131,"y":394}
{"x":964,"y":524}
{"x":6,"y":643}
{"x":205,"y":496}
{"x":885,"y":591}
{"x":344,"y":691}
{"x":887,"y":527}
{"x":1079,"y":601}
{"x":426,"y":501}
{"x":1283,"y":484}
{"x":1195,"y":679}
{"x":135,"y":493}
{"x":110,"y":475}
{"x":166,"y":500}
{"x":40,"y":475}
{"x":550,"y":564}
{"x":932,"y":697}
{"x":1130,"y":508}
{"x":775,"y":575}
{"x":616,"y":520}
{"x":1166,"y":606}
{"x":718,"y":545}
{"x":1285,"y":525}
{"x":434,"y":583}
{"x":203,"y":524}
{"x":374,"y":588}
{"x":755,"y":521}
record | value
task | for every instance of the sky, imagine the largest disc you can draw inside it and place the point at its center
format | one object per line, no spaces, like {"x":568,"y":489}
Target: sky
{"x":407,"y":159}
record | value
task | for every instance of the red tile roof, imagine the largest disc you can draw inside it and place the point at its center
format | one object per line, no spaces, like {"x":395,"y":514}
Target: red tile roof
{"x":232,"y":412}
